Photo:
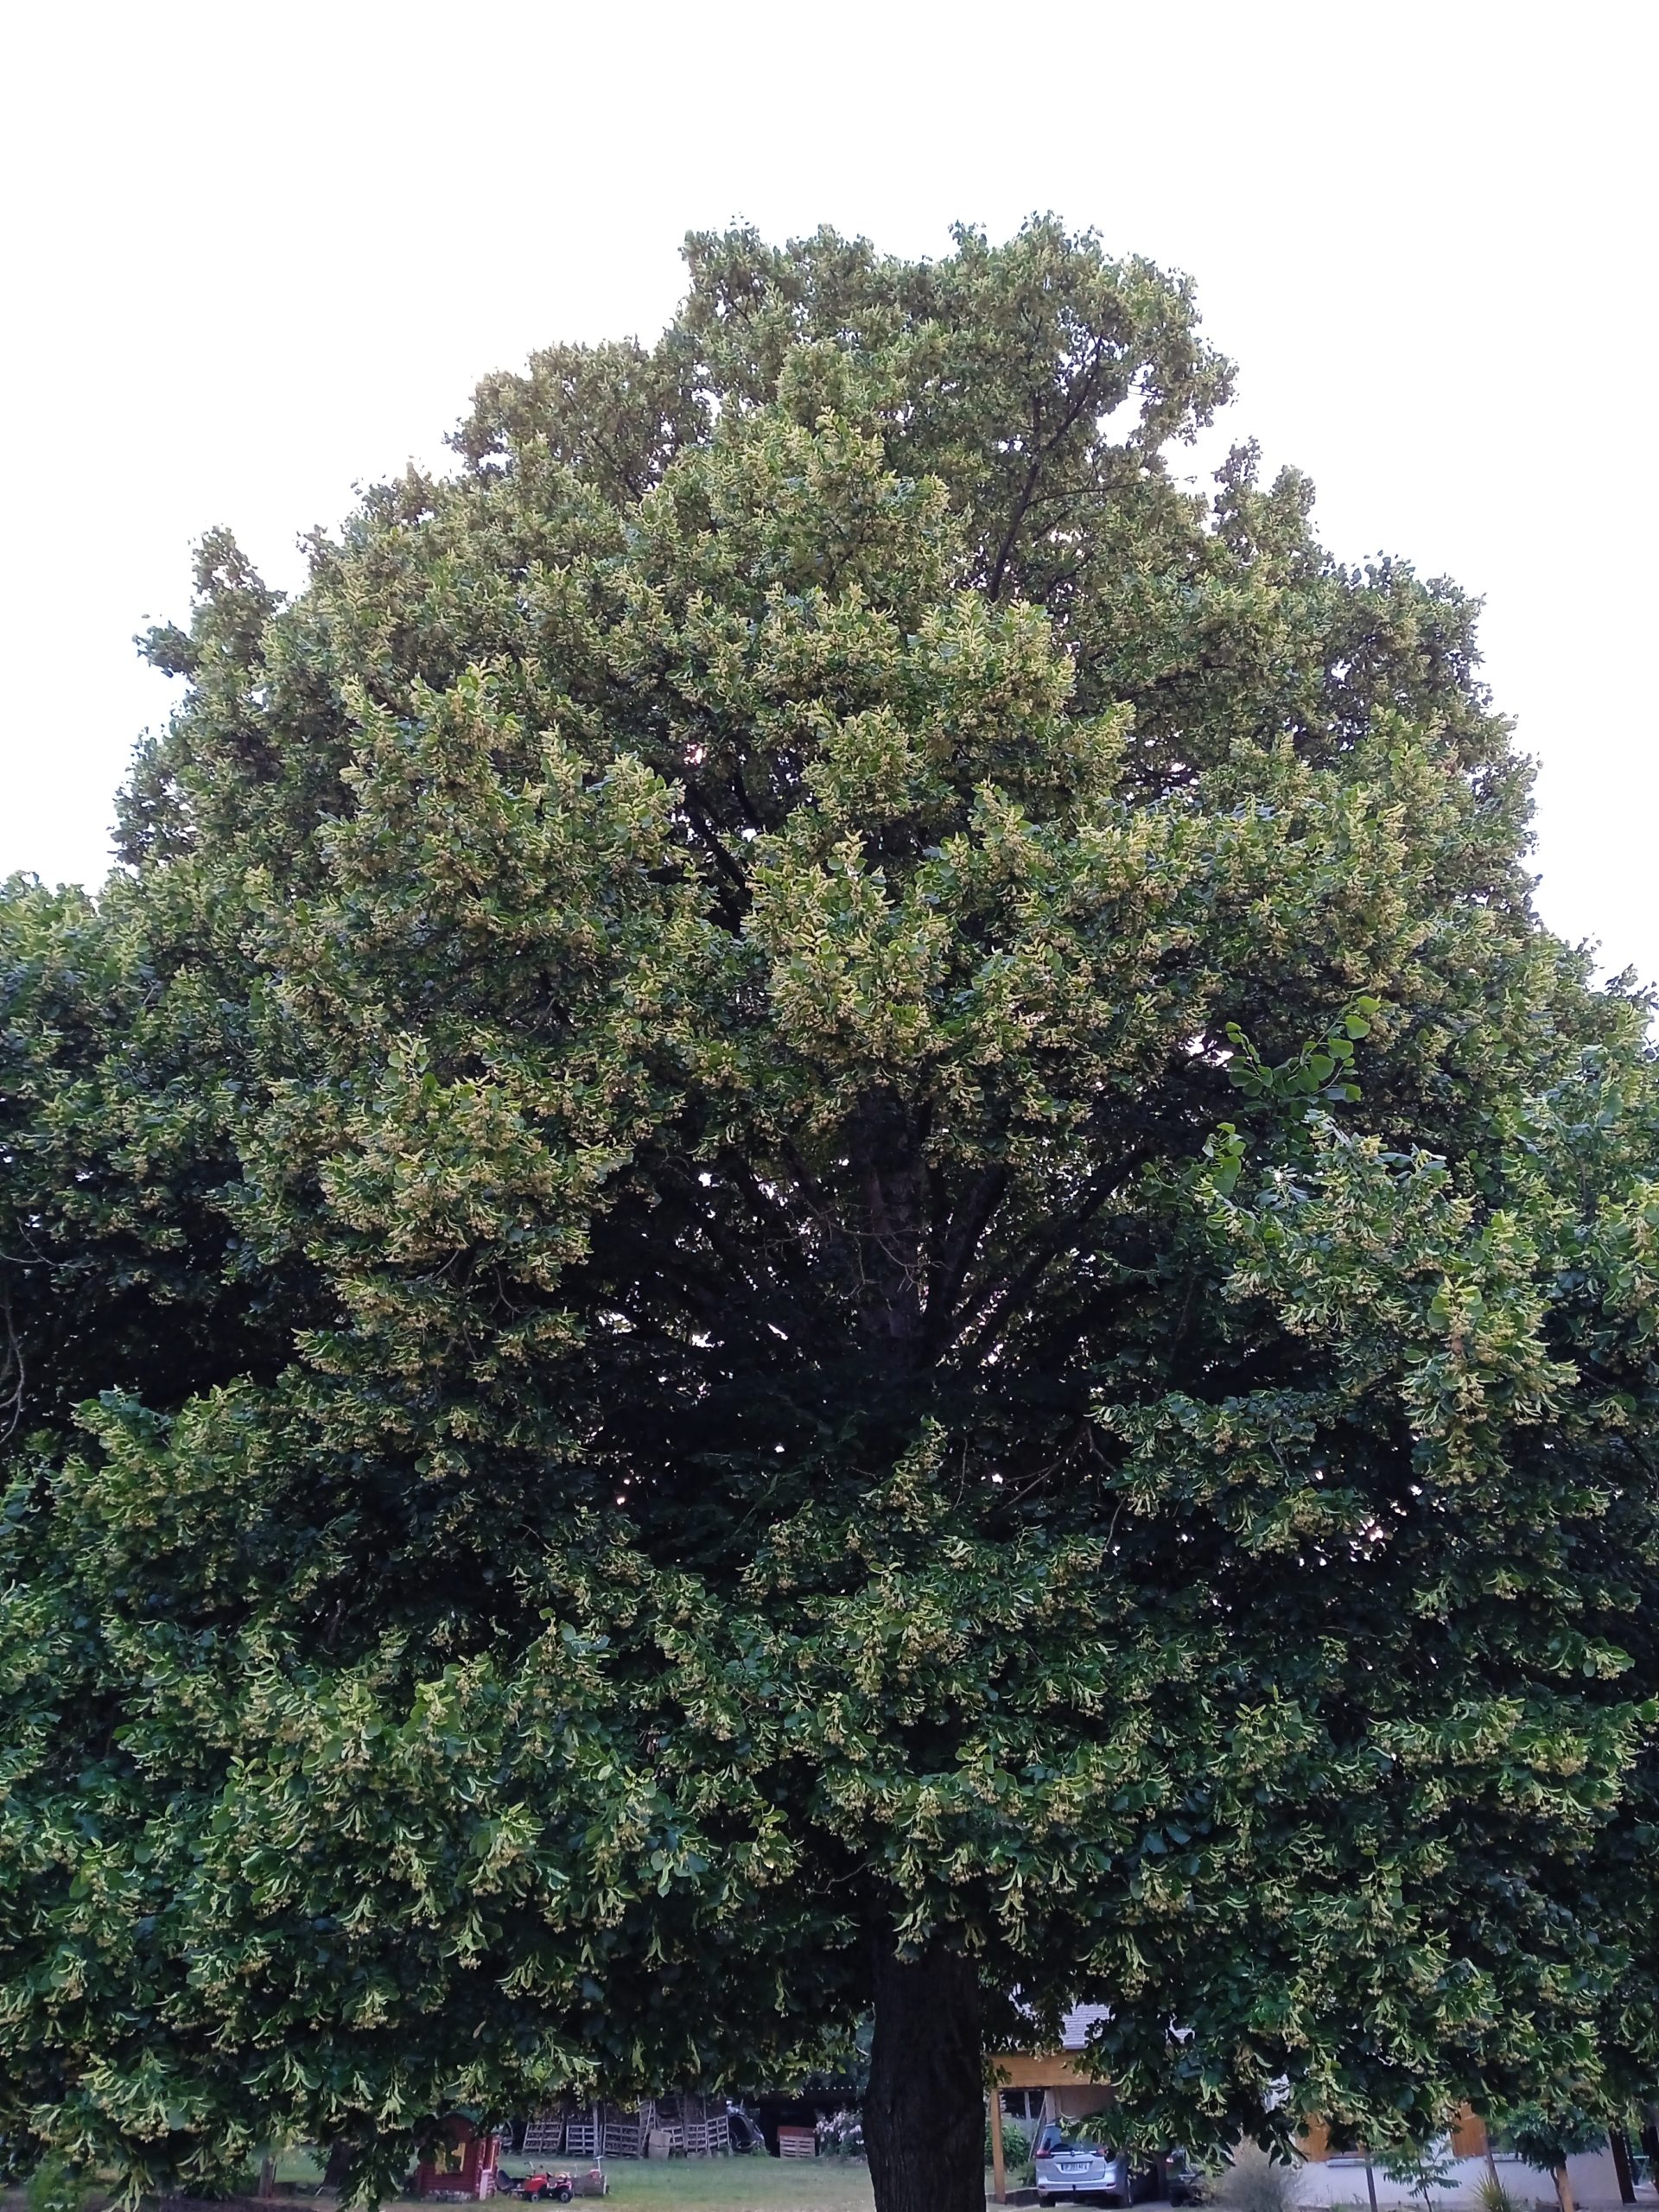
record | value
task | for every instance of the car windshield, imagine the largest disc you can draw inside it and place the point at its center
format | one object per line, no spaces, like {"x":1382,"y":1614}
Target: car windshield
{"x":1054,"y":2143}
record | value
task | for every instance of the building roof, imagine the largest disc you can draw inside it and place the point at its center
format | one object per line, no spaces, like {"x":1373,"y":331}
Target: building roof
{"x":1074,"y":2029}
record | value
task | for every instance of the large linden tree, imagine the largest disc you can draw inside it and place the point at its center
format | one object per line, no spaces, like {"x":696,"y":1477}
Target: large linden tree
{"x":815,"y":1230}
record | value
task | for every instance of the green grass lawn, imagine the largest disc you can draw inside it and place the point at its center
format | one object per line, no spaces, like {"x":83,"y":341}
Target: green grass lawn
{"x":747,"y":2184}
{"x":300,"y":2165}
{"x":663,"y":2185}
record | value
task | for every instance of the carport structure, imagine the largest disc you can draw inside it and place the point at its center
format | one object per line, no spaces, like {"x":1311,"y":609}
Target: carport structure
{"x":1068,"y":2091}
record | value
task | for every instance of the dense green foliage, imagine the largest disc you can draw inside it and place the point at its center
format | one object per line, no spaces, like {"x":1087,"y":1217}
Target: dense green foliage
{"x":816,"y":1182}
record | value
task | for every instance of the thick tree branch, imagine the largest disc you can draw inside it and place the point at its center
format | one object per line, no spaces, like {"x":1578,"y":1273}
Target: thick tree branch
{"x":968,"y":1224}
{"x":999,"y":1299}
{"x":1043,"y":448}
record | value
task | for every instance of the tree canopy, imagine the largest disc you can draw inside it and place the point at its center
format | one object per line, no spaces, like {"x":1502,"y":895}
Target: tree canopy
{"x":815,"y":1226}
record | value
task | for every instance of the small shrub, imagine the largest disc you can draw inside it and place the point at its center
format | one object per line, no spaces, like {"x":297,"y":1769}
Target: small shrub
{"x":1255,"y":2183}
{"x":1424,"y":2168}
{"x":841,"y":2136}
{"x":1492,"y":2195}
{"x":1017,"y":2140}
{"x":54,"y":2186}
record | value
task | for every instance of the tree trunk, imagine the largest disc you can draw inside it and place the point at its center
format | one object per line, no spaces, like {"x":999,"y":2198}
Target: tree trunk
{"x":1619,"y":2144}
{"x":1563,"y":2188}
{"x":925,"y":2109}
{"x":1370,"y":2181}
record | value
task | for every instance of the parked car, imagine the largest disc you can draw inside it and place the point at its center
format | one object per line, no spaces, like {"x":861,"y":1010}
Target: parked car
{"x":1078,"y":2166}
{"x":1187,"y":2181}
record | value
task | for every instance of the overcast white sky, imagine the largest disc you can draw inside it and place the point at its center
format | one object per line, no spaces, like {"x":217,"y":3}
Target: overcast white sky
{"x":253,"y":254}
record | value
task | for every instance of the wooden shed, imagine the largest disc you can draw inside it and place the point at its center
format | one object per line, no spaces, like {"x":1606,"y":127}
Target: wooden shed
{"x":462,"y":2165}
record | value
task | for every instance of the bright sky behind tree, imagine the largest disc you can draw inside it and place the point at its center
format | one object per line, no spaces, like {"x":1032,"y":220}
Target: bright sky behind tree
{"x":253,"y":255}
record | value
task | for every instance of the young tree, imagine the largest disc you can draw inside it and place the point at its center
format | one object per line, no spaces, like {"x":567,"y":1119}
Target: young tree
{"x":1547,"y":2137}
{"x":816,"y":1229}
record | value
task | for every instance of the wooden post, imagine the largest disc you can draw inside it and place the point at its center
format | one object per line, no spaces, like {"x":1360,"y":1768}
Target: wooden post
{"x":999,"y":2169}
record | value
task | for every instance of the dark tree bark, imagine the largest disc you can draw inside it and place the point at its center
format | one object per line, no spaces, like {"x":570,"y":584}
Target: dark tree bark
{"x":1619,"y":2144}
{"x":925,"y":2109}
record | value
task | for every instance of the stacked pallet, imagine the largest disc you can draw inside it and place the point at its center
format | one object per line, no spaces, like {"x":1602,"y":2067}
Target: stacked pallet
{"x":625,"y":2136}
{"x":709,"y":2133}
{"x":685,"y":2126}
{"x":583,"y":2133}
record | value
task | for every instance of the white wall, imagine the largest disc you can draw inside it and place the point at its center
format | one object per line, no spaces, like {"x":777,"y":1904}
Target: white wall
{"x":1326,"y":2181}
